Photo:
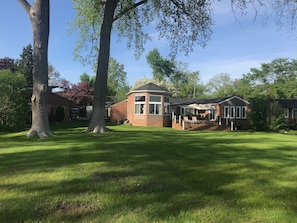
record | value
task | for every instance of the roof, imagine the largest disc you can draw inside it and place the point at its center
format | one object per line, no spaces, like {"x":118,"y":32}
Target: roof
{"x":186,"y":101}
{"x":152,"y":88}
{"x":232,"y":97}
{"x":287,"y":103}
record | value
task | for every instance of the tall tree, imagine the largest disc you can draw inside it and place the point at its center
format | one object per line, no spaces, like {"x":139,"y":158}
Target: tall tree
{"x":25,"y":64}
{"x":39,"y":17}
{"x":117,"y":85}
{"x":221,"y":85}
{"x":80,"y":94}
{"x":54,"y":77}
{"x":162,"y":68}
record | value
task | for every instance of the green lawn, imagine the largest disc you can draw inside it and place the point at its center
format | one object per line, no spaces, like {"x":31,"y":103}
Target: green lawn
{"x":135,"y":174}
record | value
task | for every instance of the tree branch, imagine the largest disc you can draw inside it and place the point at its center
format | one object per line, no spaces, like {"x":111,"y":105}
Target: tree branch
{"x":180,"y":6}
{"x":124,"y":11}
{"x":25,"y":5}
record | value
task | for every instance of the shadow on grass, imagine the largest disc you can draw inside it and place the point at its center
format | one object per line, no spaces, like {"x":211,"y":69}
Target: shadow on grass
{"x":150,"y":175}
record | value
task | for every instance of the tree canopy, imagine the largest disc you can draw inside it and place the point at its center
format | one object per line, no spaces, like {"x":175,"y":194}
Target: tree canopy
{"x":25,"y":64}
{"x":8,"y":63}
{"x":277,"y":79}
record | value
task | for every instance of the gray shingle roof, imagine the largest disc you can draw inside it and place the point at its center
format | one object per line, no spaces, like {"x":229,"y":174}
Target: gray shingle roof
{"x":287,"y":103}
{"x":150,"y":87}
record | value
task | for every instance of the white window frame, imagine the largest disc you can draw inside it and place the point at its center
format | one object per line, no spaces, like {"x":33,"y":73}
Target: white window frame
{"x":166,"y":106}
{"x":232,"y":111}
{"x":226,"y":111}
{"x":212,"y":113}
{"x":294,"y":110}
{"x":155,"y":104}
{"x":243,"y":112}
{"x":286,"y":112}
{"x":238,"y":112}
{"x":141,"y":104}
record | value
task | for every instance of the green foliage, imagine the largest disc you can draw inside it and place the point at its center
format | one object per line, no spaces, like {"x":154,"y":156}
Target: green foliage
{"x":175,"y":73}
{"x":258,"y":114}
{"x":266,"y":115}
{"x":54,"y":77}
{"x":141,"y":174}
{"x":117,"y":86}
{"x":276,"y":79}
{"x":182,"y":24}
{"x":25,"y":64}
{"x":14,"y":109}
{"x":277,"y":120}
{"x":87,"y":78}
{"x":163,"y":69}
{"x":221,"y":85}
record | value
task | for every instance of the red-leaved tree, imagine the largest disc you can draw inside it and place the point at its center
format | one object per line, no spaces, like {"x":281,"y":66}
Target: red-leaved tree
{"x":80,"y":94}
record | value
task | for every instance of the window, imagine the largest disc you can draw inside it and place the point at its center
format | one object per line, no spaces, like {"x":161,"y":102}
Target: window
{"x":226,"y":112}
{"x":238,"y":112}
{"x":232,"y":111}
{"x":139,"y":105}
{"x":155,"y":105}
{"x":294,"y":113}
{"x":243,"y":112}
{"x":286,"y":112}
{"x":166,"y":106}
{"x":139,"y":98}
{"x":212,"y":114}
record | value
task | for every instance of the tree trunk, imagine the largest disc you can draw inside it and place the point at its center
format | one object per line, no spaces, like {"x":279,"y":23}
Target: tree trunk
{"x":39,"y":16}
{"x":97,"y":123}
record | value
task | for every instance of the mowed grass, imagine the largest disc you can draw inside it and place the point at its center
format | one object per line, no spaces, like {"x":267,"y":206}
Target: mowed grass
{"x":136,"y":174}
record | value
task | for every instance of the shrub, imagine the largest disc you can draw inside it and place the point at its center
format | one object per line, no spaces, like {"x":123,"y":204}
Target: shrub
{"x":14,"y":109}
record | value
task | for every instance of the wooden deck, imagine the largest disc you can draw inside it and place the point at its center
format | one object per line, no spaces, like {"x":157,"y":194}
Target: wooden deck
{"x":199,"y":125}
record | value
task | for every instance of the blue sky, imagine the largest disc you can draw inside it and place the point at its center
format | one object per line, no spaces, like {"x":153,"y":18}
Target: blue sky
{"x":234,"y":47}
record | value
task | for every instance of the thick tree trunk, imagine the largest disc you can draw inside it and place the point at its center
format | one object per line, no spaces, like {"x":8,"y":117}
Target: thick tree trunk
{"x":97,"y":123}
{"x":39,"y":16}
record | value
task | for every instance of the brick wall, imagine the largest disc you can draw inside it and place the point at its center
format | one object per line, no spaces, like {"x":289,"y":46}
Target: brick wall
{"x":118,"y":111}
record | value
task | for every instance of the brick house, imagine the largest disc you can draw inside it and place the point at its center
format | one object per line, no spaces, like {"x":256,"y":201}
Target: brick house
{"x":55,"y":103}
{"x":290,"y":111}
{"x":148,"y":105}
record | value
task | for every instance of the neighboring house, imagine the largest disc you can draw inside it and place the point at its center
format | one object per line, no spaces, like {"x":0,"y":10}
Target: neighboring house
{"x":228,"y":113}
{"x":148,"y":105}
{"x":56,"y":105}
{"x":290,"y":110}
{"x":59,"y":108}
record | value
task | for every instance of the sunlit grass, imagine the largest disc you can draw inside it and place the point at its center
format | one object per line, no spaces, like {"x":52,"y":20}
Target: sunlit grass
{"x":137,"y":174}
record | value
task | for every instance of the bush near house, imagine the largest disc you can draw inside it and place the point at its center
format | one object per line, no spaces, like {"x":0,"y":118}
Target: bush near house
{"x":14,"y":108}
